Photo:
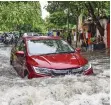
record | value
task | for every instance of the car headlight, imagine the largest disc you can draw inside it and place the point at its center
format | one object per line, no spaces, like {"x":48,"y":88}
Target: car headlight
{"x":87,"y":66}
{"x":42,"y":70}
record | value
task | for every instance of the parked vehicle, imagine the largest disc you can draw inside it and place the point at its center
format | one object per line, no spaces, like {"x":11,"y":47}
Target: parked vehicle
{"x":8,"y":38}
{"x":1,"y":38}
{"x":42,"y":56}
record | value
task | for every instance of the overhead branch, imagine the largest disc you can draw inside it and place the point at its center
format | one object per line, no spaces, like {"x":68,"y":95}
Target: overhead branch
{"x":95,"y":19}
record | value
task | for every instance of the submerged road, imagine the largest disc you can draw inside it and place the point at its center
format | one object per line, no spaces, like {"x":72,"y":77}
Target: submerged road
{"x":67,"y":90}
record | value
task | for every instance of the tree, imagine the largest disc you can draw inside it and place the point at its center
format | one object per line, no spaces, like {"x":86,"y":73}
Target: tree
{"x":90,"y":8}
{"x":75,"y":8}
{"x":60,"y":14}
{"x":71,"y":9}
{"x":20,"y":15}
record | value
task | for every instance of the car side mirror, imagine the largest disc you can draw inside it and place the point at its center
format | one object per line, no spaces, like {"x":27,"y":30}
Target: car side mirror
{"x":78,"y":50}
{"x":20,"y":53}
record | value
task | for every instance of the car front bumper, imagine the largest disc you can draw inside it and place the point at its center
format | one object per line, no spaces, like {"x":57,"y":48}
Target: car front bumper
{"x":37,"y":75}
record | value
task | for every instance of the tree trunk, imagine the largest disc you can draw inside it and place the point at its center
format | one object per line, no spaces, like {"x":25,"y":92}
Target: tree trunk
{"x":77,"y":32}
{"x":91,"y":11}
{"x":68,"y":18}
{"x":98,"y":9}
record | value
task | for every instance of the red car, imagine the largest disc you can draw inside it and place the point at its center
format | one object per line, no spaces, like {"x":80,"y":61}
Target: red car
{"x":42,"y":56}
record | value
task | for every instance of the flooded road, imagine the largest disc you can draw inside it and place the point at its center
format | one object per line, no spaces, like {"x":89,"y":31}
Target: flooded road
{"x":68,"y":90}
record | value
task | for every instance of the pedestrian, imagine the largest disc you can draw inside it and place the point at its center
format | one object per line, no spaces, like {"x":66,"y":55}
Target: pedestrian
{"x":69,"y":38}
{"x":50,"y":33}
{"x":87,"y":33}
{"x":81,"y":38}
{"x":58,"y":33}
{"x":75,"y":35}
{"x":90,"y":41}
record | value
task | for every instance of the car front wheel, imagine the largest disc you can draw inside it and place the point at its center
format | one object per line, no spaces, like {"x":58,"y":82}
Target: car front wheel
{"x":25,"y":74}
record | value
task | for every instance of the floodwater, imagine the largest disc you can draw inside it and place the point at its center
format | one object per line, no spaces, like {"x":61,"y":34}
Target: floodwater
{"x":67,"y":90}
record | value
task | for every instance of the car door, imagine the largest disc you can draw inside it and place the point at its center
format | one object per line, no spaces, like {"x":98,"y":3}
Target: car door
{"x":20,"y":59}
{"x":13,"y":57}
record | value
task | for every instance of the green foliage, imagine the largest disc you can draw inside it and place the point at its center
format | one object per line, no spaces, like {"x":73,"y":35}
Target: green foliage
{"x":59,"y":14}
{"x":56,"y":18}
{"x":58,"y":11}
{"x":101,"y":8}
{"x":20,"y":15}
{"x":64,"y":12}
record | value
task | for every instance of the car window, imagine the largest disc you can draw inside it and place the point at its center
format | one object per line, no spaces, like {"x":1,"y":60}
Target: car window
{"x":36,"y":47}
{"x":20,"y":46}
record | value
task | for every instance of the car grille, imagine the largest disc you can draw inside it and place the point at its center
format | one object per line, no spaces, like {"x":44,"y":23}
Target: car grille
{"x":67,"y":71}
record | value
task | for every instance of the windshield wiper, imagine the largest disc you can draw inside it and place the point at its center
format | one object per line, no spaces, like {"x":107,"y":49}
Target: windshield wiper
{"x":49,"y":53}
{"x":67,"y":52}
{"x":57,"y":53}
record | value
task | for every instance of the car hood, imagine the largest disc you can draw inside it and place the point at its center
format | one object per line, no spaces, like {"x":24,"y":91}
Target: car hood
{"x":60,"y":61}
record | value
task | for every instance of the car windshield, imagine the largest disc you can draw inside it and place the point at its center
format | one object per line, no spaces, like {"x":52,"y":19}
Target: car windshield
{"x":41,"y":47}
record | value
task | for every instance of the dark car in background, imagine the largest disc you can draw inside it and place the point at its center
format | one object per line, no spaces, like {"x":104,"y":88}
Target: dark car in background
{"x":1,"y":37}
{"x":47,"y":56}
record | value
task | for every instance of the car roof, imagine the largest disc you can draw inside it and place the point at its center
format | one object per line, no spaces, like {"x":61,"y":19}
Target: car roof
{"x":40,"y":37}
